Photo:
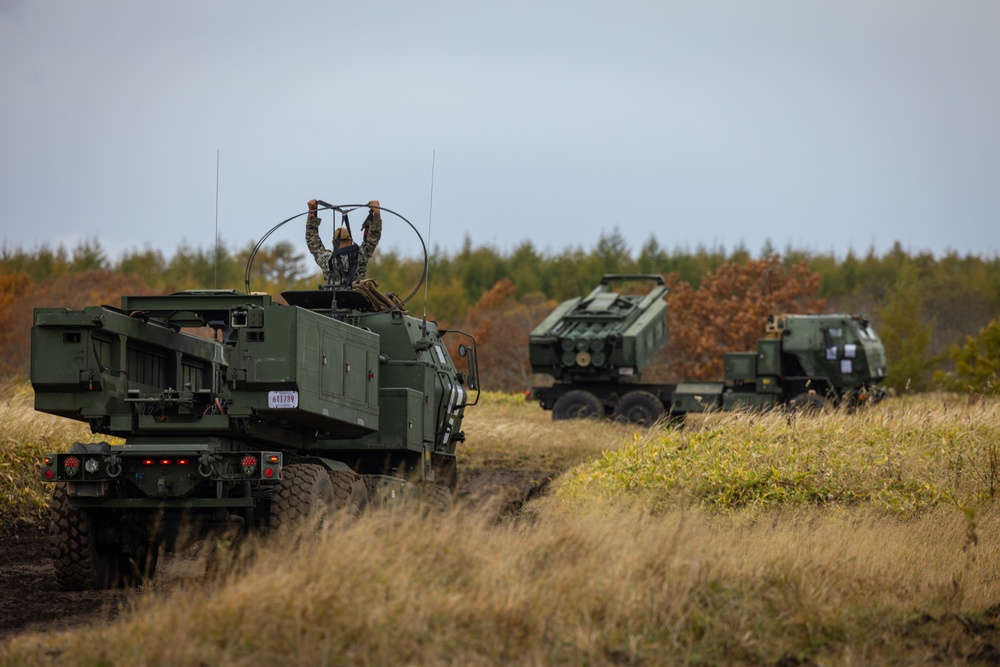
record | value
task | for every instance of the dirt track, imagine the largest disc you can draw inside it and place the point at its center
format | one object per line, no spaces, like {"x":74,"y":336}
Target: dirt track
{"x":31,"y":601}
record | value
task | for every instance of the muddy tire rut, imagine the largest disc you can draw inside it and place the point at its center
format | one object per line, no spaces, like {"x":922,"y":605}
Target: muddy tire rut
{"x":31,"y":600}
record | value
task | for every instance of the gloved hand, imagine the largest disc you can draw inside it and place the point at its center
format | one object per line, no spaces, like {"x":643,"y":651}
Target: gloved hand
{"x":312,"y":206}
{"x":375,"y":209}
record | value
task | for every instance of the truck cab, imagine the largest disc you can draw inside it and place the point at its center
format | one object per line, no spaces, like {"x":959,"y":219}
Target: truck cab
{"x":803,"y":360}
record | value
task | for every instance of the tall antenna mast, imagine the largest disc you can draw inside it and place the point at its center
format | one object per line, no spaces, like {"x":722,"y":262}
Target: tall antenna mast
{"x":430,"y":216}
{"x":217,"y":152}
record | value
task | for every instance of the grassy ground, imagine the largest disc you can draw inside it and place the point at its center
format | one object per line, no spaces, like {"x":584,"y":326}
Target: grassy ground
{"x":25,"y":437}
{"x":507,"y":433}
{"x":904,"y":456}
{"x":741,"y":540}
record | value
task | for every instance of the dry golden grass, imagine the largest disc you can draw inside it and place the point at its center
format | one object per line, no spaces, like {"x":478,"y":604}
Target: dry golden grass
{"x":26,"y":436}
{"x":578,"y":580}
{"x":603,"y":587}
{"x":508,"y":433}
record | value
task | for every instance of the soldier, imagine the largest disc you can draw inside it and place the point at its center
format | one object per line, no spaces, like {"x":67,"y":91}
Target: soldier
{"x":346,"y":264}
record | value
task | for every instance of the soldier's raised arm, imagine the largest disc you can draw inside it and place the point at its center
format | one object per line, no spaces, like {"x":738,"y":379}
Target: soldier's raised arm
{"x":313,"y":241}
{"x":373,"y":232}
{"x":373,"y":228}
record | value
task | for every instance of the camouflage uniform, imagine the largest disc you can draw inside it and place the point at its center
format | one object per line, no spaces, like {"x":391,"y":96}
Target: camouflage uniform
{"x":373,"y":232}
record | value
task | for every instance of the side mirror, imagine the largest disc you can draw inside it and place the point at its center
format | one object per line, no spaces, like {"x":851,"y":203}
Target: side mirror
{"x":470,"y":378}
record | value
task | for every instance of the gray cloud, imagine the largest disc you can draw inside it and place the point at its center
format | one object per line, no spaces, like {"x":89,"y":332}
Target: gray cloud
{"x":826,"y":126}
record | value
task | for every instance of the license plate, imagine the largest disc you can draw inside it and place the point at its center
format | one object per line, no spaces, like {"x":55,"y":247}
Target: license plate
{"x":282,"y":399}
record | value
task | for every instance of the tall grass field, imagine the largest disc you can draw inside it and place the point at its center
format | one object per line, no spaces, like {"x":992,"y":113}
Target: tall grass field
{"x":741,"y":539}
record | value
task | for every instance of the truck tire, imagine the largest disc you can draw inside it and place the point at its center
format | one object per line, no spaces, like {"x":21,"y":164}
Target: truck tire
{"x":437,"y":499}
{"x":303,"y":493}
{"x":359,"y":499}
{"x":639,"y":407}
{"x":81,"y":561}
{"x":809,"y":404}
{"x":577,"y":404}
{"x":349,"y":492}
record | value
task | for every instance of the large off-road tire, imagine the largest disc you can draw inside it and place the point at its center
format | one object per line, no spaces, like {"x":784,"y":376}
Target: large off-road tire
{"x":81,"y":561}
{"x":809,"y":404}
{"x":639,"y":407}
{"x":349,"y":492}
{"x":343,"y":482}
{"x":577,"y":404}
{"x":303,"y":493}
{"x":436,"y":500}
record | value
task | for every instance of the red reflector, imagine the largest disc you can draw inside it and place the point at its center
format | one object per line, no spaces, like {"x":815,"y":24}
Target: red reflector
{"x":48,"y":474}
{"x":71,"y":466}
{"x":268,"y":472}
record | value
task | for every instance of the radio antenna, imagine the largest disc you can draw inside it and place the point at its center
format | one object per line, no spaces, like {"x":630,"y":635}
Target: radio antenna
{"x":217,"y":152}
{"x":430,"y":217}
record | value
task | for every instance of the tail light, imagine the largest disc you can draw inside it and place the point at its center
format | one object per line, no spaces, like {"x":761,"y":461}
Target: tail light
{"x":48,"y":473}
{"x":71,"y":466}
{"x":249,"y":464}
{"x":272,"y":465}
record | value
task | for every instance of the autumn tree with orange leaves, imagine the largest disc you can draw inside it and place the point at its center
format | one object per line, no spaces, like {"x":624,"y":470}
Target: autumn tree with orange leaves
{"x":19,"y":297}
{"x":501,"y":326}
{"x":720,"y":301}
{"x":727,"y":313}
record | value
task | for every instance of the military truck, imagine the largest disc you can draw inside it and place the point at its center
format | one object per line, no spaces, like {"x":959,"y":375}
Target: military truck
{"x":328,"y":402}
{"x":596,"y":347}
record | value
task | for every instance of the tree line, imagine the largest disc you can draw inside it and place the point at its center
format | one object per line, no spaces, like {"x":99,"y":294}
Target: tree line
{"x":937,"y":315}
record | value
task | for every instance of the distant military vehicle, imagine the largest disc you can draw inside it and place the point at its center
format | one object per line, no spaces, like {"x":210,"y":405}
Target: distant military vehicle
{"x":597,"y":346}
{"x":330,"y":402}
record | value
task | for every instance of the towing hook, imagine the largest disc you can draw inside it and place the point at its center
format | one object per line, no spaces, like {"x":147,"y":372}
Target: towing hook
{"x":114,"y":466}
{"x":205,"y":465}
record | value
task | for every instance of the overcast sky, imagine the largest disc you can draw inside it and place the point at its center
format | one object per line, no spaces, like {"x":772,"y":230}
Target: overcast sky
{"x":821,"y":125}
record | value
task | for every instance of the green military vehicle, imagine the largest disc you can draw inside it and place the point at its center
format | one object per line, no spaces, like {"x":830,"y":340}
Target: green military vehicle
{"x":283,"y":411}
{"x":596,"y":347}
